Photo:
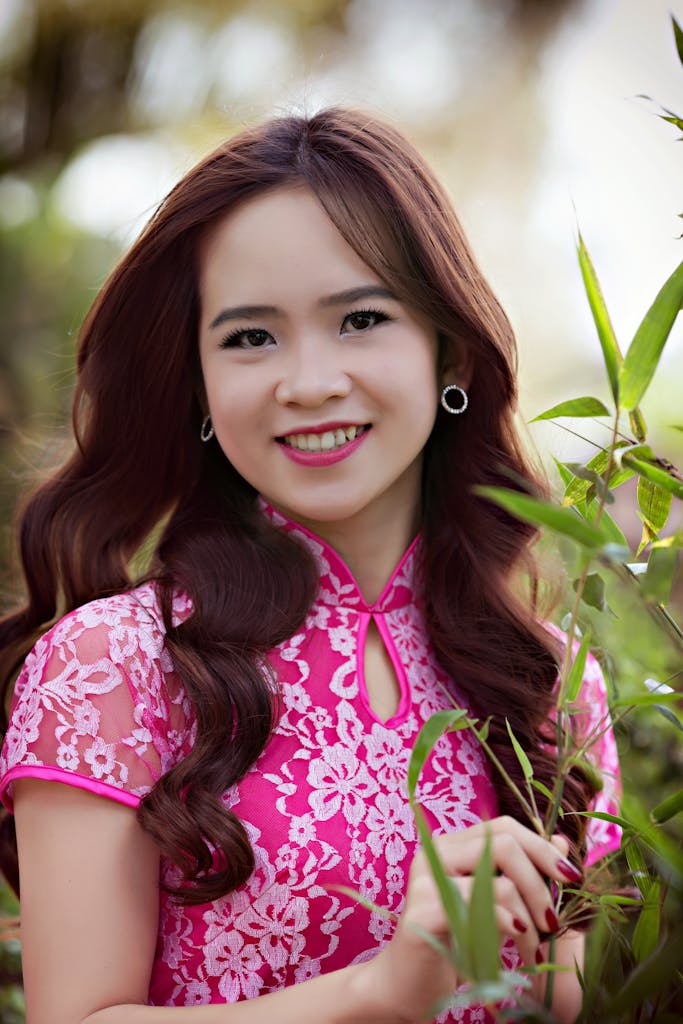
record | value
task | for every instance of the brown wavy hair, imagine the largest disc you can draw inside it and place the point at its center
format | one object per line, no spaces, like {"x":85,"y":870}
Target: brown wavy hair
{"x":138,"y":463}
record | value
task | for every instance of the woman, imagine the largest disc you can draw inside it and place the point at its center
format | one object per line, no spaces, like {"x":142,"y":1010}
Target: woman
{"x":292,"y":383}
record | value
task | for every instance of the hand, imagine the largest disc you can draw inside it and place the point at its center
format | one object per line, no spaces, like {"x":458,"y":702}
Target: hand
{"x":408,"y":977}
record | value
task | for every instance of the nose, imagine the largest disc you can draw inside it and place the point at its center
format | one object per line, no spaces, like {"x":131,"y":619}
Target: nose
{"x":311,"y":375}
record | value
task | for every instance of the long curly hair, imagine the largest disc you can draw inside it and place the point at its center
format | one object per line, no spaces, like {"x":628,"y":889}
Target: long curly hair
{"x":138,"y":470}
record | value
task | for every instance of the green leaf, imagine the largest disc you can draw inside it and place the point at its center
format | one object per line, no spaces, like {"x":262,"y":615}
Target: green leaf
{"x":591,"y":477}
{"x":437,"y":724}
{"x":638,"y":867}
{"x":566,"y":475}
{"x":654,"y":503}
{"x":546,"y":792}
{"x":453,"y":903}
{"x":593,"y":593}
{"x":657,"y":582}
{"x":576,"y":491}
{"x":604,"y":816}
{"x":645,"y":350}
{"x":610,"y":347}
{"x":676,"y":426}
{"x":678,"y":38}
{"x":638,"y":425}
{"x":669,"y":715}
{"x":608,"y":525}
{"x":649,"y":977}
{"x":541,"y":513}
{"x":655,"y":474}
{"x":574,"y":407}
{"x":519,"y":751}
{"x":483,"y":930}
{"x":576,"y":672}
{"x":646,"y":932}
{"x":668,"y":808}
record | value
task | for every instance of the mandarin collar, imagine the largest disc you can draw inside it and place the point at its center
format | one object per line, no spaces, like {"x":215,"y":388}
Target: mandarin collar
{"x":338,"y":586}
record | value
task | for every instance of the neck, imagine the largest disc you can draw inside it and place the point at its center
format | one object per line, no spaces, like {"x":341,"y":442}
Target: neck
{"x":371,"y":543}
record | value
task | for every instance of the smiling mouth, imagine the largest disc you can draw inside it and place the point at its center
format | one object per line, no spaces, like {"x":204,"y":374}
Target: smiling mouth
{"x":325,"y":442}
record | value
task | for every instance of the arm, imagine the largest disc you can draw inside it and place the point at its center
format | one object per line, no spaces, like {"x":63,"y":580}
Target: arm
{"x":89,"y":878}
{"x":89,"y":917}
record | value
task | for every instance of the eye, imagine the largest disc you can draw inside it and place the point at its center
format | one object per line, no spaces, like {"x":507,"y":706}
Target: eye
{"x":247,"y":337}
{"x":362,"y":319}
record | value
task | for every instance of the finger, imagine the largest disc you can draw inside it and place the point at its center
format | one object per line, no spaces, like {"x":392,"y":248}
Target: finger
{"x":524,"y":936}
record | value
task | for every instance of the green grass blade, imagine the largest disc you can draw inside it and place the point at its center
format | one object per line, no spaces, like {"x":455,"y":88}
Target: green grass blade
{"x":645,"y":350}
{"x":574,"y":407}
{"x":656,"y":584}
{"x":610,"y":347}
{"x":483,"y":931}
{"x":435,"y":726}
{"x":540,"y":513}
{"x":678,"y":38}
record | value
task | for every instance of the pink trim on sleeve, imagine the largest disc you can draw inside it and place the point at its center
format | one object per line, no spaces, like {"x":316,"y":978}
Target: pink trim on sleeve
{"x":52,"y":774}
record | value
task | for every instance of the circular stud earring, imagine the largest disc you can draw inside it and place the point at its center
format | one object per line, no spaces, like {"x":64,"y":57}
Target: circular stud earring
{"x":445,"y":400}
{"x":206,"y":433}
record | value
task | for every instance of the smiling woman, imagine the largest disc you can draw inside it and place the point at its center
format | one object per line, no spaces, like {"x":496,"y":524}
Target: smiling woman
{"x":202,"y":761}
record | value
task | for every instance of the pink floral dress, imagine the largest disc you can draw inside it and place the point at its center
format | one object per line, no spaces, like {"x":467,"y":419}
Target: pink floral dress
{"x":98,"y":706}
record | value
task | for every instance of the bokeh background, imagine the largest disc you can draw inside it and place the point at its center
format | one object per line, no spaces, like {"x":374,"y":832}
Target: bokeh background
{"x":530,"y":110}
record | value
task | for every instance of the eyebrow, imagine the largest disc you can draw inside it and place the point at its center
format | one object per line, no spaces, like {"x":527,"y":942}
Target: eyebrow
{"x":337,"y":299}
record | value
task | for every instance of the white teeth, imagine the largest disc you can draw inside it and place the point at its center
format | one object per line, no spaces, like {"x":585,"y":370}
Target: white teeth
{"x":323,"y":442}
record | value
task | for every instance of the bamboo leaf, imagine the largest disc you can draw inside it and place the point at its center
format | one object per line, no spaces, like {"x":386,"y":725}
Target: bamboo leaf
{"x":608,"y":525}
{"x":453,"y":903}
{"x":668,"y":808}
{"x":605,"y":816}
{"x":637,"y":423}
{"x":649,"y":977}
{"x":656,"y":475}
{"x":519,"y":751}
{"x":576,"y":672}
{"x":678,"y":38}
{"x":655,"y":504}
{"x":566,"y":475}
{"x":593,"y":593}
{"x":483,"y":930}
{"x":577,"y":489}
{"x":435,"y":726}
{"x":638,"y":868}
{"x":646,"y":932}
{"x":574,"y":407}
{"x":610,"y":347}
{"x":645,"y":350}
{"x":670,"y":715}
{"x":541,"y":513}
{"x":658,"y":581}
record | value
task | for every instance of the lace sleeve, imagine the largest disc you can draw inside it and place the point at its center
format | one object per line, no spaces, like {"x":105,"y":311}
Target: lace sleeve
{"x":97,"y":704}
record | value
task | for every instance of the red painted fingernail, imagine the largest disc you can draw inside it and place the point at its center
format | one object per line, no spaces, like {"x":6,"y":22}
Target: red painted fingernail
{"x":551,"y":918}
{"x":569,"y":871}
{"x":539,"y":957}
{"x":518,"y":925}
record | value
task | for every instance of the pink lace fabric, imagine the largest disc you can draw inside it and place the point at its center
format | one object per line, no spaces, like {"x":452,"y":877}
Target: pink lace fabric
{"x":98,"y":706}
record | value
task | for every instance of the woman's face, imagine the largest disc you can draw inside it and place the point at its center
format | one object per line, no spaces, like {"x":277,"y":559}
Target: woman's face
{"x":321,"y":385}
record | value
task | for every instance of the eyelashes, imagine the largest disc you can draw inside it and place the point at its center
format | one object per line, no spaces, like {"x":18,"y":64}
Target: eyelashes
{"x":257,"y":337}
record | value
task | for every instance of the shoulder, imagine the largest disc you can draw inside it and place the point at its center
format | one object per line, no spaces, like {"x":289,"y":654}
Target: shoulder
{"x":118,"y":629}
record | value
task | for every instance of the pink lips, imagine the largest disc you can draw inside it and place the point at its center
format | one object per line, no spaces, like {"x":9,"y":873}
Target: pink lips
{"x":323,"y":458}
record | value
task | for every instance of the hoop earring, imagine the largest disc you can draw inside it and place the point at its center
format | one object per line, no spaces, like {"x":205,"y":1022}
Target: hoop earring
{"x":204,"y":434}
{"x":464,"y":401}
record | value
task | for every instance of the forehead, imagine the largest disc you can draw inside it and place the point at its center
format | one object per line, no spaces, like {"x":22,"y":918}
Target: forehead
{"x":278,"y":245}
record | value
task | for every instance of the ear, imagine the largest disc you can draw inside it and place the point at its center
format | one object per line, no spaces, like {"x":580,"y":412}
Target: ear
{"x":458,"y":365}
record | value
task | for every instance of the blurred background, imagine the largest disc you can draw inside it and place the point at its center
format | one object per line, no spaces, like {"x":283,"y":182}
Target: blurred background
{"x":531,"y":111}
